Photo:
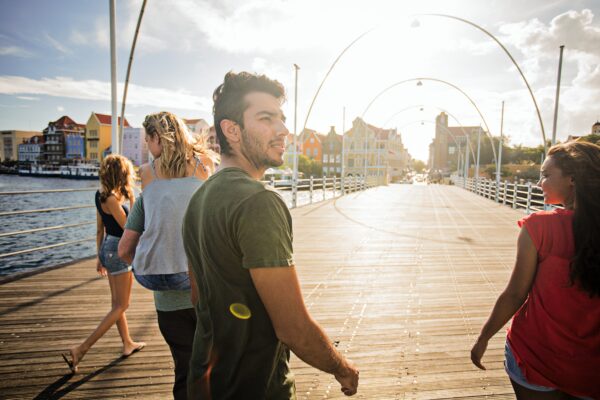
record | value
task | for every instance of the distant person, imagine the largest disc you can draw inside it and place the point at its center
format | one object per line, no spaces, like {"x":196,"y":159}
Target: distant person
{"x":238,"y":238}
{"x":152,"y":237}
{"x":553,"y":345}
{"x":212,"y":140}
{"x":112,"y":204}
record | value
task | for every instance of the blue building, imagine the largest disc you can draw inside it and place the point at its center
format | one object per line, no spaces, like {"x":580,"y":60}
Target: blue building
{"x":74,"y":147}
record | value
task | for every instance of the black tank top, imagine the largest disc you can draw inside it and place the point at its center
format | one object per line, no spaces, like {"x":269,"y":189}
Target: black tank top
{"x":110,"y":223}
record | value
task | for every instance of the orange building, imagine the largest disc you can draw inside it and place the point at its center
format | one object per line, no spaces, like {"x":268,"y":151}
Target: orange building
{"x":312,"y":144}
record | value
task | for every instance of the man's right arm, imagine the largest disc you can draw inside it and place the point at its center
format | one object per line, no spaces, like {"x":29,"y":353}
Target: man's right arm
{"x":280,"y":292}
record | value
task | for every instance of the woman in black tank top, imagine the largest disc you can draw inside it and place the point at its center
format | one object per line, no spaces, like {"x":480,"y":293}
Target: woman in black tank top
{"x":116,"y":181}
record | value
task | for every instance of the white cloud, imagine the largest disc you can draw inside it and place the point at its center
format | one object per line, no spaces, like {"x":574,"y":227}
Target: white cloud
{"x":60,"y":109}
{"x":98,"y":90}
{"x":28,"y":98}
{"x":15,"y":51}
{"x":56,"y":44}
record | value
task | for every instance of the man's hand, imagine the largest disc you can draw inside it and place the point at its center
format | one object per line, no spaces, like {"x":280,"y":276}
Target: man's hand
{"x":347,"y":376}
{"x":100,"y":268}
{"x":477,"y":352}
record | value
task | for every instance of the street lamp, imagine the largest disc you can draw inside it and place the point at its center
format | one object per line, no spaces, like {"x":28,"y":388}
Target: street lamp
{"x":295,"y":176}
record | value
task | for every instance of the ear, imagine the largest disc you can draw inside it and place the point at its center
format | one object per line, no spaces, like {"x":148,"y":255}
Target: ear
{"x":231,"y":130}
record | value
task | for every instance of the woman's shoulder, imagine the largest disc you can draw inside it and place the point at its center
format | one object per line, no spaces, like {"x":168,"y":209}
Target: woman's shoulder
{"x":146,"y":175}
{"x":546,"y":217}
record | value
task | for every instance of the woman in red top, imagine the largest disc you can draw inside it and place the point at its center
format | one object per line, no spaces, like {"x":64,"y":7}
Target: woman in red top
{"x":553,"y":346}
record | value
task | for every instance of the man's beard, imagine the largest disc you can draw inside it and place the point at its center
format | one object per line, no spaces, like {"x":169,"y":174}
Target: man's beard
{"x":252,"y":150}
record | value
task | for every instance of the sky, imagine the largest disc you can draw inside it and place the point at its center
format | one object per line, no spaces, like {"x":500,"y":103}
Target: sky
{"x":55,"y":60}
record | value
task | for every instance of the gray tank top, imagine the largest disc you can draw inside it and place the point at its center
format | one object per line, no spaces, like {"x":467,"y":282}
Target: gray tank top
{"x":160,"y":249}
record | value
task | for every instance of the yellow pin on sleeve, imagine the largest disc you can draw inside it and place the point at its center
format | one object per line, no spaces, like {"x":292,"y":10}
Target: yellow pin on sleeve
{"x":240,"y":311}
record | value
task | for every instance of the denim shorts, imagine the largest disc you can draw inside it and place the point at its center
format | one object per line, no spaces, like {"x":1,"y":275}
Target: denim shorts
{"x":177,"y":281}
{"x":109,"y":256}
{"x":516,"y":375}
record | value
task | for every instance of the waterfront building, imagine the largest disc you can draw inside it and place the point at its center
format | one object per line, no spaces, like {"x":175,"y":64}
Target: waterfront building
{"x":443,"y":150}
{"x":596,"y":128}
{"x":98,"y":136}
{"x":58,"y":135}
{"x":378,"y":151}
{"x":332,"y":153}
{"x":10,"y":140}
{"x":134,"y":145}
{"x":312,"y":146}
{"x":30,"y":151}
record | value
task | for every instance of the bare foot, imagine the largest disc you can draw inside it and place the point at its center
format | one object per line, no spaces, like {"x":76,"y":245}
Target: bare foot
{"x":75,"y":356}
{"x":133,"y":347}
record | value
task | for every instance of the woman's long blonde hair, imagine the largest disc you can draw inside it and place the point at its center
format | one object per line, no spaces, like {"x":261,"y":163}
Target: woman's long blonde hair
{"x":116,"y":177}
{"x":178,"y":145}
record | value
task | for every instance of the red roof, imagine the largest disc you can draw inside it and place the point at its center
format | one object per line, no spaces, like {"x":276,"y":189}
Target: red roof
{"x":107,"y":120}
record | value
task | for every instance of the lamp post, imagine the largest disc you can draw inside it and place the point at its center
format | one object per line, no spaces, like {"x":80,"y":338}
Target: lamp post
{"x":562,"y":47}
{"x":500,"y":144}
{"x":113,"y":79}
{"x":295,"y":176}
{"x":343,"y":173}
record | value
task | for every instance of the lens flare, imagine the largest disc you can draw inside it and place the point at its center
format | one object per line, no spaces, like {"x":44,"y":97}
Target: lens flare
{"x":240,"y":311}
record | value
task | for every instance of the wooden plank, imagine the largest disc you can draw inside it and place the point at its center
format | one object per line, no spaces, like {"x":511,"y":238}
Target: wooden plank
{"x":402,"y":276}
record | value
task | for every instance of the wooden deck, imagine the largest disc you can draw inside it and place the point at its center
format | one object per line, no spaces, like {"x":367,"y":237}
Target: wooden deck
{"x":402,"y":276}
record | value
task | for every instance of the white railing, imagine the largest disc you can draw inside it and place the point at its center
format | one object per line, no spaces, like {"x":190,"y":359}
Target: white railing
{"x":525,"y":196}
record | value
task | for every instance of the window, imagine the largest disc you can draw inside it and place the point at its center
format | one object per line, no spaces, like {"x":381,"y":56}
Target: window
{"x":93,"y":145}
{"x":312,"y":140}
{"x":325,"y":158}
{"x":451,"y":149}
{"x":93,"y":133}
{"x":351,"y":162}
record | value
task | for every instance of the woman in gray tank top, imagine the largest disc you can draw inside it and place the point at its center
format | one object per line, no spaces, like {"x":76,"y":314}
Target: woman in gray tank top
{"x":152,"y":238}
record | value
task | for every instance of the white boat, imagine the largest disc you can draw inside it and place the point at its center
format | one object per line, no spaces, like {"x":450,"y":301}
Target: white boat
{"x":79,"y":171}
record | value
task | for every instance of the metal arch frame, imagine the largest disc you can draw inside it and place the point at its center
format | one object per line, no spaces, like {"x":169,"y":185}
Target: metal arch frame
{"x":488,"y":132}
{"x":443,"y":16}
{"x":443,"y":110}
{"x":537,"y":109}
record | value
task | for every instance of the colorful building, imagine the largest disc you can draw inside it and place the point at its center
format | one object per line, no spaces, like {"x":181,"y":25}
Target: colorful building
{"x":9,"y":142}
{"x":312,"y":144}
{"x":197,"y":126}
{"x":98,"y":136}
{"x":56,"y":135}
{"x":444,"y":149}
{"x":134,"y":145}
{"x":30,"y":151}
{"x":379,"y":153}
{"x":331,"y":147}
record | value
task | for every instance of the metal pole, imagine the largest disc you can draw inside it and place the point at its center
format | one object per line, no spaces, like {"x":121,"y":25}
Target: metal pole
{"x":562,"y":47}
{"x":295,"y":177}
{"x":500,"y":143}
{"x":366,"y":150}
{"x":478,"y":158}
{"x":343,"y":151}
{"x":113,"y":80}
{"x":135,"y":36}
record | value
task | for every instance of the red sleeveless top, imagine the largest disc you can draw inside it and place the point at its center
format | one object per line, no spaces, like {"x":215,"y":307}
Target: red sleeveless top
{"x":555,"y":335}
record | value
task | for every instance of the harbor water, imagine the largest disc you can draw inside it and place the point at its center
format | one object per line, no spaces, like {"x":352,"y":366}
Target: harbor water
{"x":64,"y":254}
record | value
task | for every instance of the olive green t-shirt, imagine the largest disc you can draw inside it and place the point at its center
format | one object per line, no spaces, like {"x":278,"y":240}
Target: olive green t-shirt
{"x":234,"y":223}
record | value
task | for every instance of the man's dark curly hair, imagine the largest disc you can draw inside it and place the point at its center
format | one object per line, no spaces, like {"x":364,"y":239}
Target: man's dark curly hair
{"x":230,"y":103}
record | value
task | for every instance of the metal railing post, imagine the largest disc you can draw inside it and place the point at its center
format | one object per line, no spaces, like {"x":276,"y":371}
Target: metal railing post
{"x":310,"y":185}
{"x":504,"y":197}
{"x":294,"y":191}
{"x":528,"y":208}
{"x":272,"y":181}
{"x":324,"y":186}
{"x":514,"y":199}
{"x":334,"y":186}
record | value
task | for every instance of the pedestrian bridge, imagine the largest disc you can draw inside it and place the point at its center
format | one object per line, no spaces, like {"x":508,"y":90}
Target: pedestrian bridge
{"x":401,"y":276}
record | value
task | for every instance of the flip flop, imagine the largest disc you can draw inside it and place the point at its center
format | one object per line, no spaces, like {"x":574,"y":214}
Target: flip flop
{"x":140,"y":347}
{"x":69,"y":363}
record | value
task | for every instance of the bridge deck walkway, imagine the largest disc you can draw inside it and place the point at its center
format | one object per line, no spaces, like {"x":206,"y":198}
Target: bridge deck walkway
{"x":402,"y":276}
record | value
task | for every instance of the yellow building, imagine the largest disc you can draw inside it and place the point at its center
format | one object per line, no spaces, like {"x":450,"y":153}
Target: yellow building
{"x":10,"y":141}
{"x":98,"y":137}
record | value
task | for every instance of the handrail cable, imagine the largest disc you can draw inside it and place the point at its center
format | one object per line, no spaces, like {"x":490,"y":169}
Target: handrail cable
{"x":48,"y":228}
{"x":7,"y":213}
{"x":16,"y":253}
